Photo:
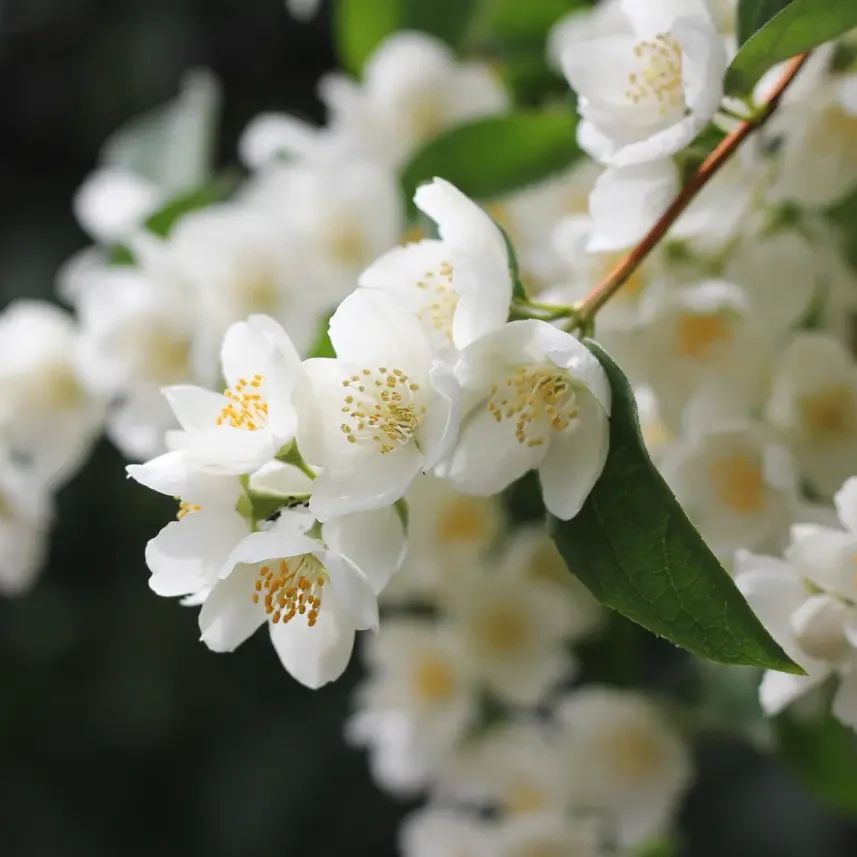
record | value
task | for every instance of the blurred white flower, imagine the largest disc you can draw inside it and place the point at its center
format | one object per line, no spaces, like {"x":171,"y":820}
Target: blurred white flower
{"x":813,"y":406}
{"x":417,"y":701}
{"x":447,"y":532}
{"x":551,"y":835}
{"x":604,"y":19}
{"x":536,"y":398}
{"x":444,"y":833}
{"x":460,"y":286}
{"x":48,"y":418}
{"x":314,"y":592}
{"x":736,"y":484}
{"x":388,"y":409}
{"x":515,"y":629}
{"x":25,"y":517}
{"x":645,"y":96}
{"x":624,"y":759}
{"x":412,"y":89}
{"x":155,"y":156}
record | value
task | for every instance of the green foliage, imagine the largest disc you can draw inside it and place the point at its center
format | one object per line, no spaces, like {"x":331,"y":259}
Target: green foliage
{"x":162,"y":221}
{"x":361,"y":25}
{"x":491,"y":157}
{"x":633,"y":546}
{"x":770,"y":31}
{"x":823,"y":754}
{"x":322,"y":346}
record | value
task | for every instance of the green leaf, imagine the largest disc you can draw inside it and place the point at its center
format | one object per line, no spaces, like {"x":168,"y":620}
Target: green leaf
{"x":770,"y":31}
{"x":518,"y":290}
{"x":447,"y":19}
{"x":162,"y":221}
{"x":491,"y":157}
{"x":633,"y":546}
{"x":823,"y":754}
{"x":359,"y":26}
{"x":322,"y":346}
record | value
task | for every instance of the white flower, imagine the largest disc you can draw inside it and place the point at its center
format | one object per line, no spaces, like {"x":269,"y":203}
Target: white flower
{"x":138,"y":333}
{"x":25,"y":517}
{"x":627,"y":201}
{"x":186,"y":557}
{"x":583,"y":25}
{"x":550,"y":835}
{"x":322,"y":213}
{"x":813,"y":405}
{"x":736,"y":484}
{"x":538,"y":399}
{"x":238,"y":431}
{"x":48,"y":417}
{"x":698,"y":338}
{"x":443,"y":833}
{"x":313,"y":592}
{"x":459,"y":286}
{"x":447,"y":531}
{"x":417,"y":701}
{"x":513,"y":767}
{"x":303,"y":10}
{"x":388,"y":409}
{"x":515,"y":629}
{"x":624,"y":759}
{"x":645,"y":96}
{"x":158,"y":155}
{"x":236,"y":263}
{"x":412,"y":90}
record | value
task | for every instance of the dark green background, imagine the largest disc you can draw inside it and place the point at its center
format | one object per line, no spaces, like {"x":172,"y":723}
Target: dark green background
{"x":119,"y":733}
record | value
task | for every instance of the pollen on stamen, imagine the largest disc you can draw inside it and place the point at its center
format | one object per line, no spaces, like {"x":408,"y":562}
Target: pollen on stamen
{"x":289,"y":588}
{"x":244,"y":409}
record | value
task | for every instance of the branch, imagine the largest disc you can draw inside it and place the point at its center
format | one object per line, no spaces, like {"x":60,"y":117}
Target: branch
{"x":615,"y":279}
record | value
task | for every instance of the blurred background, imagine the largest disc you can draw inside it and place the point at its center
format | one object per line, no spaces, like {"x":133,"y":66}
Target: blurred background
{"x":119,"y":734}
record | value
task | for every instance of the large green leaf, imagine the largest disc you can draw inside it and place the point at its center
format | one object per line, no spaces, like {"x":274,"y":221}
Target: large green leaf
{"x":490,"y":157}
{"x":770,"y":31}
{"x":633,"y":546}
{"x":823,"y":754}
{"x":361,"y":25}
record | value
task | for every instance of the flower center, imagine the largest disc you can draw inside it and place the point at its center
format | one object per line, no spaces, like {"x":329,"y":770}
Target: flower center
{"x":738,"y":483}
{"x":834,"y":134}
{"x":186,"y":509}
{"x":525,"y":798}
{"x":537,"y":398}
{"x":634,"y":753}
{"x":163,"y":355}
{"x":292,"y":586}
{"x":346,"y":244}
{"x":246,"y":408}
{"x":830,"y":412}
{"x":502,"y":630}
{"x":381,"y":409}
{"x":658,"y":79}
{"x":441,"y":299}
{"x":698,"y":333}
{"x":466,"y":520}
{"x":433,"y":680}
{"x":426,"y":115}
{"x":257,"y":291}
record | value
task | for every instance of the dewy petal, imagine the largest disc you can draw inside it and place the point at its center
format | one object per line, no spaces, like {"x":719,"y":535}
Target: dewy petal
{"x":374,"y":541}
{"x":187,"y":555}
{"x":374,"y":481}
{"x":439,"y":430}
{"x":627,"y":201}
{"x":372,"y":330}
{"x":352,"y":590}
{"x":480,"y":260}
{"x":229,"y":616}
{"x":318,"y":655}
{"x":196,"y":409}
{"x":488,"y":457}
{"x":575,"y":459}
{"x":845,"y":501}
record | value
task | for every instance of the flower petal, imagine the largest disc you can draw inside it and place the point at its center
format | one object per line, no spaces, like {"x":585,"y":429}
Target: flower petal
{"x":196,"y":409}
{"x":229,"y":616}
{"x":353,"y":590}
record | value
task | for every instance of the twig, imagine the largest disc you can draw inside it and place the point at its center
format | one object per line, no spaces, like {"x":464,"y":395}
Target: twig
{"x":614,"y":280}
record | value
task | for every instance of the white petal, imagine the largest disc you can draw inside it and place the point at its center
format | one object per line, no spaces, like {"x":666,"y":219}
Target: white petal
{"x":650,"y":17}
{"x":113,"y":202}
{"x":374,"y":482}
{"x":280,"y":479}
{"x":439,"y":430}
{"x":845,"y":501}
{"x":374,"y":541}
{"x":568,"y":352}
{"x":196,"y":409}
{"x":231,"y":450}
{"x":600,"y":68}
{"x":627,"y":201}
{"x":318,"y":655}
{"x":286,"y":539}
{"x":272,"y":135}
{"x":187,"y":555}
{"x":353,"y":590}
{"x":574,"y":460}
{"x":243,"y":353}
{"x":778,"y":690}
{"x":173,"y":474}
{"x":229,"y":615}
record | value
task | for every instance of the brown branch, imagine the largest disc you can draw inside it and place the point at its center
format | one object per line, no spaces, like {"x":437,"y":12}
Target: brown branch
{"x":614,"y":280}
